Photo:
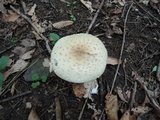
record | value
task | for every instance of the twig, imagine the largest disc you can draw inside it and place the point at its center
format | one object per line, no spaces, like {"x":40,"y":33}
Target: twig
{"x":151,"y":94}
{"x":1,"y":52}
{"x":95,"y":16}
{"x":125,"y":77}
{"x":35,"y":28}
{"x":81,"y":113}
{"x":147,"y":12}
{"x":124,"y":37}
{"x":13,"y":97}
{"x":15,"y":78}
{"x":58,"y":109}
{"x":11,"y":109}
{"x":133,"y":95}
{"x":102,"y":113}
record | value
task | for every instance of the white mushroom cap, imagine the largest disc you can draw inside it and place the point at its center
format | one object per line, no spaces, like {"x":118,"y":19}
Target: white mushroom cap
{"x":79,"y":58}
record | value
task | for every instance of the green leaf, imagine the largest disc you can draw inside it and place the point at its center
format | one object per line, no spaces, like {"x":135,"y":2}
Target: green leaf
{"x":73,"y":18}
{"x":74,"y":3}
{"x":68,"y":5}
{"x":1,"y":79}
{"x":35,"y":84}
{"x":54,"y":36}
{"x":44,"y":78}
{"x":14,"y":40}
{"x":3,"y":62}
{"x":35,"y":76}
{"x":155,"y":68}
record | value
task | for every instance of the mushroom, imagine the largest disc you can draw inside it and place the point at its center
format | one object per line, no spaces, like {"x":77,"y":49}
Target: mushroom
{"x":79,"y":58}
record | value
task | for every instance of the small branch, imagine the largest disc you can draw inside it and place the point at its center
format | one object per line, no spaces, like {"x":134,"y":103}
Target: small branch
{"x":133,"y":95}
{"x":34,"y":27}
{"x":16,"y":96}
{"x":5,"y":50}
{"x":151,"y":94}
{"x":147,"y":12}
{"x":101,"y":116}
{"x":58,"y":109}
{"x":81,"y":113}
{"x":95,"y":16}
{"x":15,"y":78}
{"x":123,"y":42}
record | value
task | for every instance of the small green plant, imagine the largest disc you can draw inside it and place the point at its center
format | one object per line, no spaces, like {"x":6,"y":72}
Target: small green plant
{"x":54,"y":38}
{"x":35,"y":84}
{"x":73,"y":18}
{"x":44,"y":78}
{"x":3,"y":63}
{"x":73,"y":4}
{"x":154,"y":69}
{"x":14,"y":40}
{"x":36,"y":78}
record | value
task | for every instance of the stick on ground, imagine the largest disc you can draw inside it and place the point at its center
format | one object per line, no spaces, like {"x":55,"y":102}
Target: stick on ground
{"x":95,"y":16}
{"x":16,"y":96}
{"x":123,"y":42}
{"x":34,"y":27}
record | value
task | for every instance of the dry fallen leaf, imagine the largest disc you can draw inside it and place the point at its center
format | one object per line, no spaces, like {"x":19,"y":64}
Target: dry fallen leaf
{"x":32,"y":10}
{"x":128,"y":116}
{"x":123,"y":96}
{"x":19,"y":50}
{"x":36,"y":23}
{"x":96,"y":112}
{"x":88,"y":5}
{"x":117,"y":11}
{"x":117,"y":30}
{"x":65,"y":1}
{"x":46,"y":62}
{"x":9,"y":62}
{"x":140,"y":110}
{"x":34,"y":18}
{"x":40,"y":29}
{"x":111,"y":106}
{"x":144,"y":1}
{"x":62,"y":24}
{"x":113,"y":61}
{"x":18,"y":66}
{"x":79,"y":90}
{"x":28,"y":43}
{"x":2,"y":8}
{"x":122,"y":2}
{"x":155,"y":1}
{"x":131,"y":47}
{"x":33,"y":115}
{"x":27,"y":55}
{"x":36,"y":36}
{"x":10,"y":17}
